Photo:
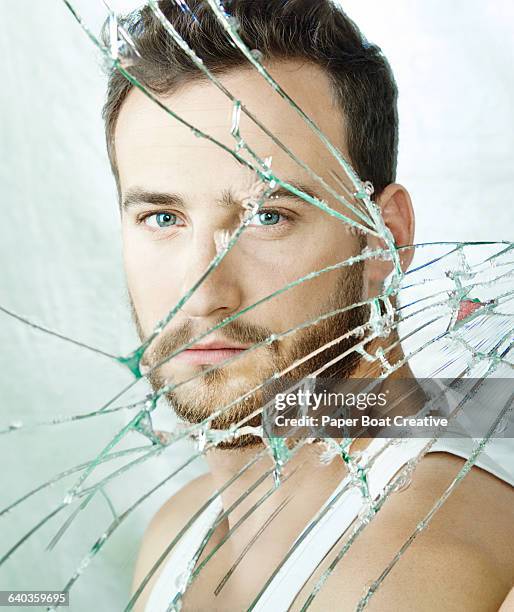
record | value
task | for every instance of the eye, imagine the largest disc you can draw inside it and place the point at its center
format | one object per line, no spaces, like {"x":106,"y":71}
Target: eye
{"x":161,"y":220}
{"x":268,"y":217}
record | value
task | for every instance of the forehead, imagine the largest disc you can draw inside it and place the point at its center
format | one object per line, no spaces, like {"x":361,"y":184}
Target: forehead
{"x":154,"y":150}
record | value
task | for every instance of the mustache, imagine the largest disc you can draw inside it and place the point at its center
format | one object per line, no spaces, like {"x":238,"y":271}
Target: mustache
{"x":168,"y":342}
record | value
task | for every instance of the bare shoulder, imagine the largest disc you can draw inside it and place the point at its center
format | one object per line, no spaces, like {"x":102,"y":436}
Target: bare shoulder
{"x":164,"y":526}
{"x":462,"y":560}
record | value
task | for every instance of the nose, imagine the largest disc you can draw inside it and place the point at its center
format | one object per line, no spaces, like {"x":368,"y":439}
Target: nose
{"x":219,"y":294}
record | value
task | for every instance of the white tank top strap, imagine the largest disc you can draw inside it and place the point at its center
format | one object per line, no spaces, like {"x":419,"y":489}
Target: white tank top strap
{"x":176,"y":570}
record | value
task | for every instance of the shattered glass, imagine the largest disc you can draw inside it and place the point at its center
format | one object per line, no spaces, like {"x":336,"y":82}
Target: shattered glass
{"x":452,"y":310}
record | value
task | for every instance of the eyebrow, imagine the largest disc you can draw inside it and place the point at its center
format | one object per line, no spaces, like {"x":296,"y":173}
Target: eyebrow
{"x":137,"y":196}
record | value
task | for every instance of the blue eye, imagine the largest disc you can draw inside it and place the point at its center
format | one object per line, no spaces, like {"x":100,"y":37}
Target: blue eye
{"x":164,"y":219}
{"x":268,"y":217}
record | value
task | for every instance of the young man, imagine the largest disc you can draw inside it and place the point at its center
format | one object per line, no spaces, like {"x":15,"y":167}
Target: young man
{"x":178,"y":194}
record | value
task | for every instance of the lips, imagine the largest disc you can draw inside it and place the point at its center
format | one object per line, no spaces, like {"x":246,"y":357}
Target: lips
{"x":209,"y":346}
{"x":210,"y":353}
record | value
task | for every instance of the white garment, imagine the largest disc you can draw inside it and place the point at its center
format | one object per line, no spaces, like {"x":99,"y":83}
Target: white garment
{"x":496,"y":458}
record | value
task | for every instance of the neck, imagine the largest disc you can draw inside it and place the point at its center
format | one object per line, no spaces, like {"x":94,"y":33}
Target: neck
{"x":254,"y":496}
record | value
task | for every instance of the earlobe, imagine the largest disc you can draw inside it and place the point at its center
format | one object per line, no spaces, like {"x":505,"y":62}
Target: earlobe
{"x":398,"y":215}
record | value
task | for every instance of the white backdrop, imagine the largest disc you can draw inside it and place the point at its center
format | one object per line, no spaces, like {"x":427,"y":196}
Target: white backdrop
{"x":60,"y":247}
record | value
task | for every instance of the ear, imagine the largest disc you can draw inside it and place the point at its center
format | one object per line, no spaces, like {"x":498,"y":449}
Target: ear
{"x":398,"y":215}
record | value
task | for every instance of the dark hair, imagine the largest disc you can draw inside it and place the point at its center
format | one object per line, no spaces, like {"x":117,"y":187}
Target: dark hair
{"x":313,"y":30}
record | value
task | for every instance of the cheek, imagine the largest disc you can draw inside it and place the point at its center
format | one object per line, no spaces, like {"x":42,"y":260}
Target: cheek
{"x":327,"y":247}
{"x":150,"y":280}
{"x":304,"y":301}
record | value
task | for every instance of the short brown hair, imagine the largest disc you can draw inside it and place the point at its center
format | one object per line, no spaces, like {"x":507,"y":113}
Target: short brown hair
{"x":314,"y":30}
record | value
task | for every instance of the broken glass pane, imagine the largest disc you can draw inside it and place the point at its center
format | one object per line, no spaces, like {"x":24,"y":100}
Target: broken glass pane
{"x":451,"y":311}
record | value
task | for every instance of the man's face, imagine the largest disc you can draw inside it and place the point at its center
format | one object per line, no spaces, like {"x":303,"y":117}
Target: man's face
{"x":180,"y":191}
